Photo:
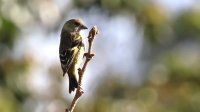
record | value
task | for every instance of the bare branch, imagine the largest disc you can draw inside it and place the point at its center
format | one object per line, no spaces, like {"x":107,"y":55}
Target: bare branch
{"x":79,"y":91}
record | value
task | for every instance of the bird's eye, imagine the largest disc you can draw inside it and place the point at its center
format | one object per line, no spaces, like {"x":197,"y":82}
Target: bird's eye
{"x":77,"y":24}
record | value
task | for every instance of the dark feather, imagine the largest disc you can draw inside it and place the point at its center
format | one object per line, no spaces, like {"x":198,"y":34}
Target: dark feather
{"x":65,"y":51}
{"x":67,"y":43}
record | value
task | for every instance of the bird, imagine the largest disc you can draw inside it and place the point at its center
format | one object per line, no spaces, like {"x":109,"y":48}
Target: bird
{"x":71,"y":49}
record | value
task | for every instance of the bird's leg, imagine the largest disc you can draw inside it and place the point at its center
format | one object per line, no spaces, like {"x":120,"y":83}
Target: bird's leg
{"x":80,"y":72}
{"x":80,"y":90}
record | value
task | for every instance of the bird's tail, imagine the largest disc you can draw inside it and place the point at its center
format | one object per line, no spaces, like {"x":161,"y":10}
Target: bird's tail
{"x":72,"y":83}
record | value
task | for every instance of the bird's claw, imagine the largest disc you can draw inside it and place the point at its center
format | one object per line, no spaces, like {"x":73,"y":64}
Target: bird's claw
{"x":80,"y":71}
{"x":81,"y":90}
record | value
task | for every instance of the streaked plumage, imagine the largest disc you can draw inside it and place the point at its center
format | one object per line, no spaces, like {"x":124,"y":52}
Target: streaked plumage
{"x":71,"y":50}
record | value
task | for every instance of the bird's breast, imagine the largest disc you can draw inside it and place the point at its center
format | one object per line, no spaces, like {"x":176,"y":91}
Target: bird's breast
{"x":79,"y":55}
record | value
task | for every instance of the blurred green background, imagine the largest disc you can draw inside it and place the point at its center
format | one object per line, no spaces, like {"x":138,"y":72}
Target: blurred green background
{"x":147,"y":55}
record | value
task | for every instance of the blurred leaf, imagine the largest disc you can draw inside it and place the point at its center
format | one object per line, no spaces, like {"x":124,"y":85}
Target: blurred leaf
{"x":7,"y":32}
{"x":188,"y":24}
{"x":85,"y":3}
{"x":134,"y":5}
{"x":111,"y":4}
{"x":157,"y":27}
{"x":179,"y":69}
{"x":8,"y":102}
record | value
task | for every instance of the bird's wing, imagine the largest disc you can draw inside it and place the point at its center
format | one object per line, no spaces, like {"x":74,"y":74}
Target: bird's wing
{"x":67,"y":45}
{"x":65,"y":51}
{"x":65,"y":59}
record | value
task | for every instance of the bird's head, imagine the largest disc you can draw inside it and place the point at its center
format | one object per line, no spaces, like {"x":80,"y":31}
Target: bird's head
{"x":74,"y":25}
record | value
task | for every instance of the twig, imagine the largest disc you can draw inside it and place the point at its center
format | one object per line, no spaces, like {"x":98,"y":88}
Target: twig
{"x":79,"y":91}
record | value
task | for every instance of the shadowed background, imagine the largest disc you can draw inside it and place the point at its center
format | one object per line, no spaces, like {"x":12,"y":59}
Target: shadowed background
{"x":146,"y":55}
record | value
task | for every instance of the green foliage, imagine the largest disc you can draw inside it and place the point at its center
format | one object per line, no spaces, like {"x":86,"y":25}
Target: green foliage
{"x":8,"y":102}
{"x":7,"y":32}
{"x":188,"y":24}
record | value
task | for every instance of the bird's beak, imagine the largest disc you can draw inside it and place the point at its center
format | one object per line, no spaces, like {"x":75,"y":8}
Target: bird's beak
{"x":83,"y":27}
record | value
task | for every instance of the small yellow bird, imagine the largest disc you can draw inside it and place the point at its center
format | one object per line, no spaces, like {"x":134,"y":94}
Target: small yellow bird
{"x":71,"y":50}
